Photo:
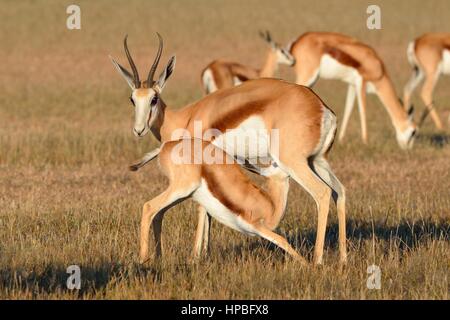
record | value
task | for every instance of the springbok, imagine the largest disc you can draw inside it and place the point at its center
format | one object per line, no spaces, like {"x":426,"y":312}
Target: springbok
{"x":335,"y":56}
{"x":221,"y":74}
{"x":305,"y":125}
{"x":223,"y":189}
{"x":429,"y":55}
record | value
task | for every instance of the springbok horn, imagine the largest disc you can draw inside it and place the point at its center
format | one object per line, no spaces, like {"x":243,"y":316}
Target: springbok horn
{"x":132,"y":65}
{"x":269,"y":38}
{"x":151,"y":73}
{"x":265,"y":36}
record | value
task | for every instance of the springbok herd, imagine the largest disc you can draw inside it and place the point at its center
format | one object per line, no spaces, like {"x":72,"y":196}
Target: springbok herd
{"x":240,"y":99}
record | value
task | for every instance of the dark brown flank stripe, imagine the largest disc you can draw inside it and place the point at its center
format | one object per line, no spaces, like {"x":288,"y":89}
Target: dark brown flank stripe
{"x":236,"y":116}
{"x":215,"y":187}
{"x":343,"y":57}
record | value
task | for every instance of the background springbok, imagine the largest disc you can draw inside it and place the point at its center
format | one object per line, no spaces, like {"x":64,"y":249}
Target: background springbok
{"x":224,"y":190}
{"x":335,"y":56}
{"x":305,"y":124}
{"x":429,"y":55}
{"x":221,"y":74}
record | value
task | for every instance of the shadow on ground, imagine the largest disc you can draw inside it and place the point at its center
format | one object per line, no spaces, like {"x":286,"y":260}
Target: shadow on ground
{"x":53,"y":278}
{"x":436,"y":140}
{"x":407,"y":235}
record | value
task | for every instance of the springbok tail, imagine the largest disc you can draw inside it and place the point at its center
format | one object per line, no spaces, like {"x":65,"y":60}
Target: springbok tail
{"x":410,"y":53}
{"x":145,"y":159}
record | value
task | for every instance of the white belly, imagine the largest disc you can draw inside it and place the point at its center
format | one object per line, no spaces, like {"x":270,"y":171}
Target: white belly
{"x":219,"y":212}
{"x":330,"y":68}
{"x":446,"y":62}
{"x":250,"y":140}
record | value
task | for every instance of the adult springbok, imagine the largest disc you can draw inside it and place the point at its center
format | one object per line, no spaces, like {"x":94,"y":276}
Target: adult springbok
{"x":429,"y":55}
{"x":305,"y":125}
{"x":221,"y":74}
{"x":335,"y":56}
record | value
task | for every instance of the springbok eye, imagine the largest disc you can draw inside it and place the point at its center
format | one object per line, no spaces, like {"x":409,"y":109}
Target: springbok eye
{"x":154,"y":100}
{"x":132,"y":101}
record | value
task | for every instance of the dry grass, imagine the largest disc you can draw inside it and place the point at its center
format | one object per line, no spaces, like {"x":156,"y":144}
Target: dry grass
{"x":65,"y":143}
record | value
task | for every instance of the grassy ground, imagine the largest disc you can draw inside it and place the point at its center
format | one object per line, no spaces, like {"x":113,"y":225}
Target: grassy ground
{"x":66,"y":196}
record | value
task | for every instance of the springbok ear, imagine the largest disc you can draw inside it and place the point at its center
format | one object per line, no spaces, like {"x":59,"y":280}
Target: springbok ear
{"x":168,"y":70}
{"x":124,"y":73}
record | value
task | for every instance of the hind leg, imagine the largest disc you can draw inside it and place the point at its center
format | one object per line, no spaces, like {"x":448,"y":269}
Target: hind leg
{"x":427,"y":97}
{"x":349,"y":104}
{"x":361,"y":96}
{"x":323,"y":169}
{"x":280,"y":241}
{"x":301,"y":172}
{"x":413,"y":82}
{"x":202,"y":233}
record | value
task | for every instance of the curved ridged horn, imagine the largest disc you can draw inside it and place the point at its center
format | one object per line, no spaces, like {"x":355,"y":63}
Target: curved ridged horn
{"x":268,"y":36}
{"x":152,"y":71}
{"x":137,"y":84}
{"x":265,"y":35}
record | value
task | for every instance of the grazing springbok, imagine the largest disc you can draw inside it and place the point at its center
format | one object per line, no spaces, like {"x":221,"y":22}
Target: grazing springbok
{"x":221,"y":74}
{"x":429,"y":55}
{"x":305,"y":126}
{"x":335,"y":56}
{"x":223,"y":189}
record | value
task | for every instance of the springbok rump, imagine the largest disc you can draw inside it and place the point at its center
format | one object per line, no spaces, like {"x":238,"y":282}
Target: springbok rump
{"x":429,"y":55}
{"x":224,"y":190}
{"x":220,"y":74}
{"x":305,"y":125}
{"x":335,"y":56}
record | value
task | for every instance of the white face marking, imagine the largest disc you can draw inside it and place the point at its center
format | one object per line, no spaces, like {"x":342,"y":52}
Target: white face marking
{"x":284,"y":57}
{"x":330,"y":68}
{"x":250,"y":140}
{"x":446,"y":61}
{"x":145,"y":113}
{"x":405,"y":139}
{"x":208,"y":81}
{"x":221,"y":213}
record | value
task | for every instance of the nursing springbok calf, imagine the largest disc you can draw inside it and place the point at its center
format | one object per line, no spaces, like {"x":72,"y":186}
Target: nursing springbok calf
{"x":224,"y":190}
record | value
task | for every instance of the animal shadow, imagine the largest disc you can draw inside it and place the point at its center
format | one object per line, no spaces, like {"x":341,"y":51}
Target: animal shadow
{"x":407,"y":235}
{"x":53,"y":278}
{"x":436,"y":140}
